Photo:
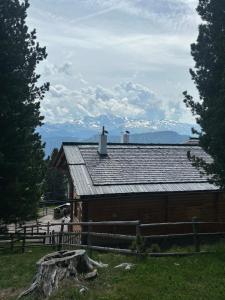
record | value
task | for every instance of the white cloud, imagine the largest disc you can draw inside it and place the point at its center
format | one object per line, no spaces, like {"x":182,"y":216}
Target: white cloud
{"x":97,"y":43}
{"x":59,"y":91}
{"x":128,"y":99}
{"x":169,"y":14}
{"x":62,"y":72}
{"x":52,"y":69}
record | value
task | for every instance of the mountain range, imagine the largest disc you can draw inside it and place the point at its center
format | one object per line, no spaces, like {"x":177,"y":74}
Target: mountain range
{"x":88,"y":129}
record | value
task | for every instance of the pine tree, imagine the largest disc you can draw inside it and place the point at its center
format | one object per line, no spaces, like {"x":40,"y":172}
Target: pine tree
{"x":21,"y":149}
{"x":55,"y":181}
{"x":209,"y":78}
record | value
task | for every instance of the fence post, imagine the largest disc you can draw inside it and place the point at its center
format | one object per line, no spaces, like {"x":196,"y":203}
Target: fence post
{"x":12,"y":242}
{"x":48,"y":232}
{"x":44,"y":238}
{"x":37,"y":226}
{"x":53,"y":238}
{"x":138,"y":238}
{"x":48,"y":226}
{"x":61,"y":236}
{"x":195,"y":227}
{"x":24,"y":239}
{"x":89,"y":239}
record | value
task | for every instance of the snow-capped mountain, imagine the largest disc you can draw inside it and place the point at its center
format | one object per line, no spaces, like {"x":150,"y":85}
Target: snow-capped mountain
{"x":86,"y":128}
{"x":116,"y":124}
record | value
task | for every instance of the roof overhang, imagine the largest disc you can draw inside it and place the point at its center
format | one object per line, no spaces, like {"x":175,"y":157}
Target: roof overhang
{"x":70,"y":155}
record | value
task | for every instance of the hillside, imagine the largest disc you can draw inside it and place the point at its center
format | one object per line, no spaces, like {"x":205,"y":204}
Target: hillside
{"x":159,"y":137}
{"x":168,"y":278}
{"x":88,"y":129}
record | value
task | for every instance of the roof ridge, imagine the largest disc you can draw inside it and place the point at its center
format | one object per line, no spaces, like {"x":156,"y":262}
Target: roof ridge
{"x":126,"y":145}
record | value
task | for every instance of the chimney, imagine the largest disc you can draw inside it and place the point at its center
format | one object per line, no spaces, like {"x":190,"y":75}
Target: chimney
{"x":126,"y":137}
{"x":102,"y":146}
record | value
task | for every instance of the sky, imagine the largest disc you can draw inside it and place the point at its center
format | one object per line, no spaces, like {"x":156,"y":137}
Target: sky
{"x":128,"y":58}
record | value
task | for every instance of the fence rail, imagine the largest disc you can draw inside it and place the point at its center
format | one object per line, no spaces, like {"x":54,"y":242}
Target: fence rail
{"x":42,"y":234}
{"x":181,"y":223}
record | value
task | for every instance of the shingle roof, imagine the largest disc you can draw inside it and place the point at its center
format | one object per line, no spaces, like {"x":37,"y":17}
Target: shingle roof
{"x":134,"y":169}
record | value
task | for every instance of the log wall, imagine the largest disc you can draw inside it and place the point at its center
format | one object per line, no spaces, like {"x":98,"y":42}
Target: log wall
{"x":156,"y":208}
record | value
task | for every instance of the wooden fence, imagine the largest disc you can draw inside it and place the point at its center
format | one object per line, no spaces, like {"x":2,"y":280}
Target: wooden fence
{"x":45,"y":235}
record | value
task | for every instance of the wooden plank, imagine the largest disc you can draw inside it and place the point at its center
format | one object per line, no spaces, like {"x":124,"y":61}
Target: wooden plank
{"x":178,"y":254}
{"x":180,"y":223}
{"x":195,"y":227}
{"x":183,"y":235}
{"x":110,"y":235}
{"x":162,"y":236}
{"x":126,"y":223}
{"x":61,"y":236}
{"x":24,"y":240}
{"x":89,"y":242}
{"x":166,"y":208}
{"x":117,"y":250}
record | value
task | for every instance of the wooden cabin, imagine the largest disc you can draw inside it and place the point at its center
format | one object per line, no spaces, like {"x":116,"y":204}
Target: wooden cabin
{"x":151,"y":183}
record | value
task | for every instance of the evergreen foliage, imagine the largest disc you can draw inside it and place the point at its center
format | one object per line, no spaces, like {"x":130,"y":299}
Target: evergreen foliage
{"x":21,"y":150}
{"x":55,"y":181}
{"x":209,"y":78}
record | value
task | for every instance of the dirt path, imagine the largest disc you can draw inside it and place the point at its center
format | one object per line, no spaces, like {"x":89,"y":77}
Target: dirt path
{"x":50,"y":219}
{"x":44,"y":220}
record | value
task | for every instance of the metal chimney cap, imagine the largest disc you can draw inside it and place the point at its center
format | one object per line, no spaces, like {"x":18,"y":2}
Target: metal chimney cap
{"x":102,"y":146}
{"x":104,"y":131}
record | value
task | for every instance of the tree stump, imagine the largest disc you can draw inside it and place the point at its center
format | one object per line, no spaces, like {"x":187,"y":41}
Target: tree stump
{"x":55,"y":267}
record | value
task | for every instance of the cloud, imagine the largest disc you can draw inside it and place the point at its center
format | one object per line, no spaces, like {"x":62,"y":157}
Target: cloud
{"x":94,"y":44}
{"x":62,"y":72}
{"x":81,"y":79}
{"x":127,"y":99}
{"x":66,"y":69}
{"x":59,"y":91}
{"x":52,"y":69}
{"x":168,"y":13}
{"x":95,"y":14}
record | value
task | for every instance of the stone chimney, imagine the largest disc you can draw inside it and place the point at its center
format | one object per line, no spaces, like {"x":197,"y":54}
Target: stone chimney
{"x":126,"y":137}
{"x":102,"y":146}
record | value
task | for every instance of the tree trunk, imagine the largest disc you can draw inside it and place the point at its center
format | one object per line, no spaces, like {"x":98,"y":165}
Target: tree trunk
{"x":57,"y":266}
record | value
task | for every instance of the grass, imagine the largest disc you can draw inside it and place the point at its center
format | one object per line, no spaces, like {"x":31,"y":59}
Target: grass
{"x":185,"y":278}
{"x":17,"y":270}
